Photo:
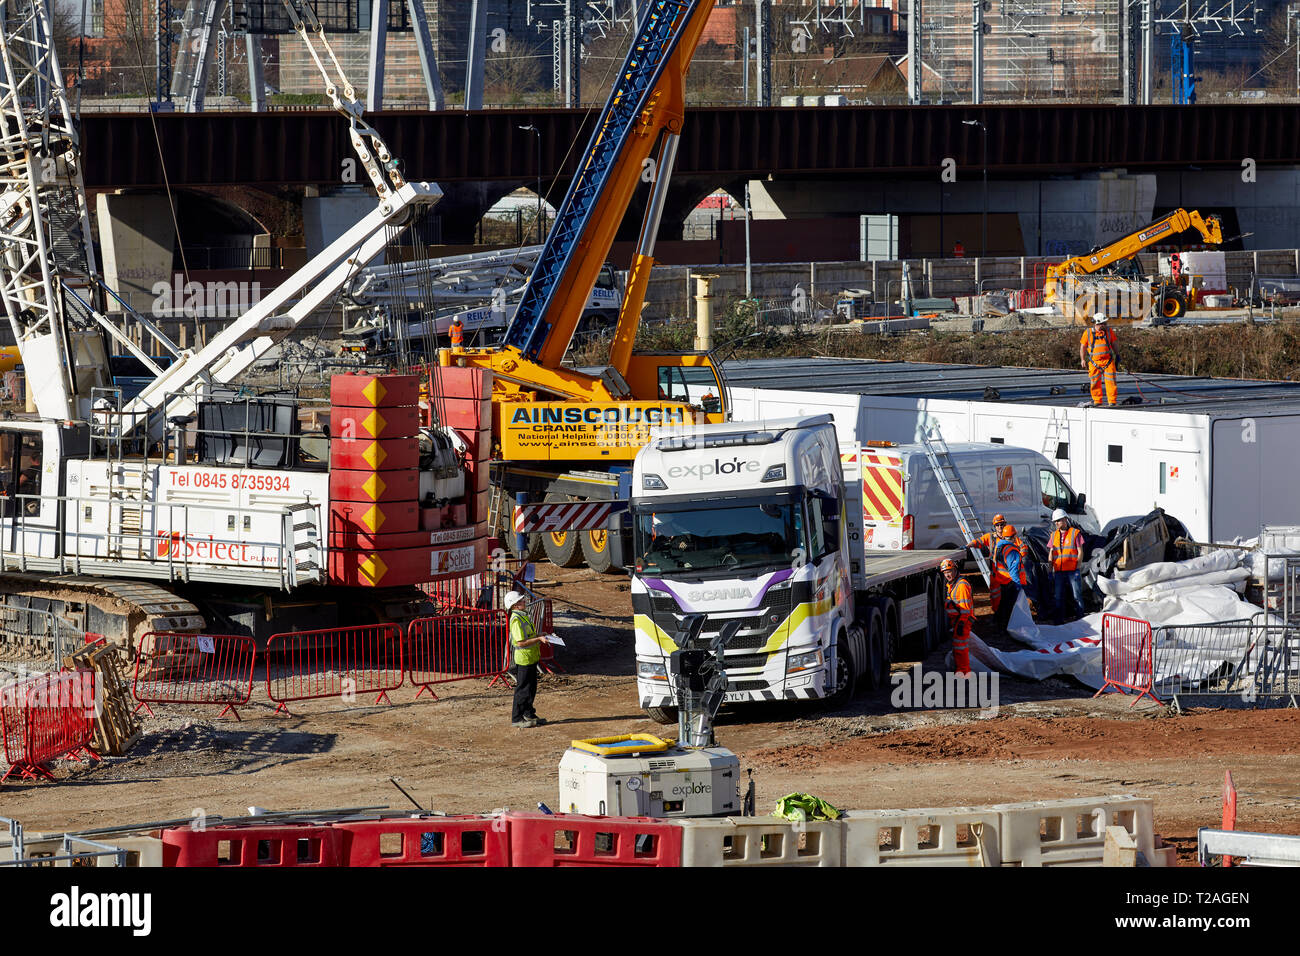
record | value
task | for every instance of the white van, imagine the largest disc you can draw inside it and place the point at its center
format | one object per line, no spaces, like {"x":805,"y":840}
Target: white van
{"x":903,"y":507}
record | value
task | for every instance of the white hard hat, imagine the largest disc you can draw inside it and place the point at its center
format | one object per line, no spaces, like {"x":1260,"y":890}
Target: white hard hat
{"x":1099,"y":318}
{"x":1058,"y":514}
{"x":511,"y":599}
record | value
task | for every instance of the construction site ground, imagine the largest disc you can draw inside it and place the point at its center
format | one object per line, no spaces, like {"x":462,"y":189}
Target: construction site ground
{"x":459,"y":753}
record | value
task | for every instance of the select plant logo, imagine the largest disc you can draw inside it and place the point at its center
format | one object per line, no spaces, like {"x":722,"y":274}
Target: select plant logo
{"x":169,"y":543}
{"x":75,"y":909}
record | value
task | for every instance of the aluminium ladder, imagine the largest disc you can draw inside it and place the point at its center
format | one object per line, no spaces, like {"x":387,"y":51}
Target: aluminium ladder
{"x":1058,"y":433}
{"x":954,"y":490}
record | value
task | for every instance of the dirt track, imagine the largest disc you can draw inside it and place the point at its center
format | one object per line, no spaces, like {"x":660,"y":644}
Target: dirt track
{"x":460,"y":754}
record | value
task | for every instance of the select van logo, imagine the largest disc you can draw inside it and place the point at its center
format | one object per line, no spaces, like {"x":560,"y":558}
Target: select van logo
{"x":74,"y":909}
{"x":1006,"y":483}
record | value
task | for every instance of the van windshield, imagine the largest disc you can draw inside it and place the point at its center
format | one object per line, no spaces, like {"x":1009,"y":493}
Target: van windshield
{"x":742,"y":536}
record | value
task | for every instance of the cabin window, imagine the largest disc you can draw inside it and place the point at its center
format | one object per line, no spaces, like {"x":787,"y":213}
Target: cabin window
{"x":1055,"y":493}
{"x":1115,"y":454}
{"x":695,"y":385}
{"x":20,"y":472}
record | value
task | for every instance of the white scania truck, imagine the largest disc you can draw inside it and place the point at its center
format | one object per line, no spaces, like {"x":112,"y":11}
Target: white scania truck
{"x":762,"y":522}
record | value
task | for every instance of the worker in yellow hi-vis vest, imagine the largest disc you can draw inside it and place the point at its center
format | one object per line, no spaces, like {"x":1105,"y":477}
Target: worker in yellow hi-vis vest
{"x":528,"y":653}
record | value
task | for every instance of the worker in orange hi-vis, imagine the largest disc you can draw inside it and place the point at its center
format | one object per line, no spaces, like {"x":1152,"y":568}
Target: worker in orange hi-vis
{"x":988,"y":542}
{"x":1064,"y":552}
{"x":961,"y":609}
{"x":1009,"y":560}
{"x":1098,"y":354}
{"x":457,"y":333}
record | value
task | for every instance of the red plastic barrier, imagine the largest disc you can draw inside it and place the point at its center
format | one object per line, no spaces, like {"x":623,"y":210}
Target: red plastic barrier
{"x":335,"y":662}
{"x":279,"y":846}
{"x":564,"y":839}
{"x":427,"y":841}
{"x":175,"y":668}
{"x":1128,"y":656}
{"x":460,"y":645}
{"x":45,"y":718}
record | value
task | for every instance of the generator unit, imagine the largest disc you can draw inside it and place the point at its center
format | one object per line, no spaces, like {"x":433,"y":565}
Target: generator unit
{"x":645,"y":776}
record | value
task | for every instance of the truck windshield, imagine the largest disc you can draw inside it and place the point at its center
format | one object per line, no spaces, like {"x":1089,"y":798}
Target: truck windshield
{"x":727,"y":538}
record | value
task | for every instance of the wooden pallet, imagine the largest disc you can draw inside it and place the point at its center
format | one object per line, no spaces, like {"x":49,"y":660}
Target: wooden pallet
{"x":116,"y":726}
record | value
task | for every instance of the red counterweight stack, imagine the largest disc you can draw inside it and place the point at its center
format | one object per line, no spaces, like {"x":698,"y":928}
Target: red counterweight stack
{"x":374,"y":525}
{"x":463,"y":402}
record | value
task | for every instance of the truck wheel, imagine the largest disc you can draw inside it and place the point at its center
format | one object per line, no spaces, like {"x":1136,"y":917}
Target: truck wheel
{"x":562,"y":548}
{"x":934,"y":593}
{"x":596,"y":550}
{"x":892,"y":637}
{"x":846,"y":681}
{"x":940,"y":614}
{"x":1173,"y":305}
{"x":533,"y":549}
{"x":662,"y":715}
{"x":877,"y":667}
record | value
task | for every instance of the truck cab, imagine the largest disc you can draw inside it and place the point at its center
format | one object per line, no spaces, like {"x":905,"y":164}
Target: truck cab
{"x":743,"y":521}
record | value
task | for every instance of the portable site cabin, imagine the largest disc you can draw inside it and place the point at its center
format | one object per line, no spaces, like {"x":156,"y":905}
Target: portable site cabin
{"x":1221,"y":455}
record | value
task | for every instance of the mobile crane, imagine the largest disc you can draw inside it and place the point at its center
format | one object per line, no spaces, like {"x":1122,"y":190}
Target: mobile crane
{"x":1118,"y":258}
{"x":221,"y":497}
{"x":566,"y":435}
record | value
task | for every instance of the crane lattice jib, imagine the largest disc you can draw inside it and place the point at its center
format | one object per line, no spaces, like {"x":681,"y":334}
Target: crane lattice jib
{"x":661,"y":30}
{"x":44,"y":221}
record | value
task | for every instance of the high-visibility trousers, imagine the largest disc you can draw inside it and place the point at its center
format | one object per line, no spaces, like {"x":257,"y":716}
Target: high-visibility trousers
{"x":995,"y":595}
{"x":1100,"y":374}
{"x":961,"y":646}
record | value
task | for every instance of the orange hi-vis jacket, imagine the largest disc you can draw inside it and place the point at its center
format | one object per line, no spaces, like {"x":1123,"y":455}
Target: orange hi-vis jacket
{"x":1002,"y":573}
{"x":960,"y":603}
{"x":986,"y":541}
{"x":1064,"y":550}
{"x":1100,"y":345}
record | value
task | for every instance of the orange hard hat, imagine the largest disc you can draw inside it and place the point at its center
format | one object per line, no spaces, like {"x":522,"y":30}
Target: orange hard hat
{"x":948,"y":565}
{"x":1008,"y":531}
{"x":999,"y":519}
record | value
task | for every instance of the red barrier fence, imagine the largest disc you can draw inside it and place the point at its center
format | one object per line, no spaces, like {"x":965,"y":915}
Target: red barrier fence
{"x":335,"y":662}
{"x":499,"y":840}
{"x":567,"y":839}
{"x":427,"y":841}
{"x":1128,"y":656}
{"x":280,"y":846}
{"x":194,"y":669}
{"x":461,"y":645}
{"x":45,"y":718}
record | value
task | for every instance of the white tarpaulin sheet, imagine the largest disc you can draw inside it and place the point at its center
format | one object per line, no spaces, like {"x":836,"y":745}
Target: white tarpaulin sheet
{"x":1199,"y":591}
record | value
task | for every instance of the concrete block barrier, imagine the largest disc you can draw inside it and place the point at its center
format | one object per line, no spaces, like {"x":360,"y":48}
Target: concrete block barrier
{"x":1072,"y":832}
{"x":761,"y":841}
{"x":951,"y":836}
